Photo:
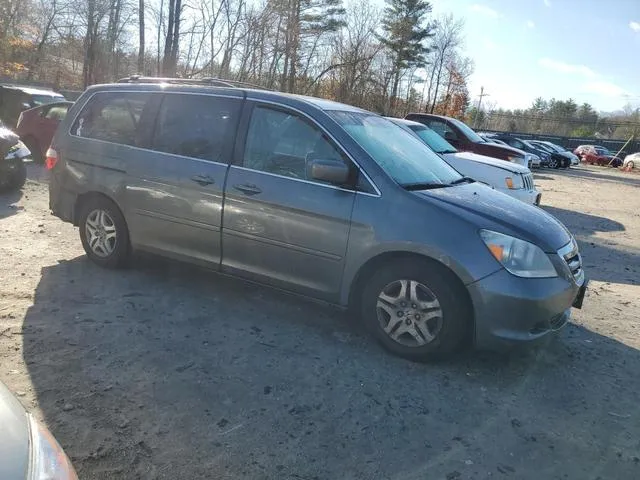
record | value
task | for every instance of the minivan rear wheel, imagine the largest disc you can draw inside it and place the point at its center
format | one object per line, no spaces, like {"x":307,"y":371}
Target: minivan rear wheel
{"x":103,"y":233}
{"x":416,"y":310}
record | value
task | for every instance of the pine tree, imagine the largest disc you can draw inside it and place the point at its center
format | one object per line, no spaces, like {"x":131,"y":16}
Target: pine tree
{"x":405,"y":30}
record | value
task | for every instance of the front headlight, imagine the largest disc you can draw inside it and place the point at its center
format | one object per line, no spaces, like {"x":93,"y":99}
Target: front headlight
{"x":514,"y":183}
{"x":48,"y":461}
{"x":520,"y":258}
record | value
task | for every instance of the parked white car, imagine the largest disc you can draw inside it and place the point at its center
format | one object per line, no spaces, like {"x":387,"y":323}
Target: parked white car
{"x":507,"y":177}
{"x":632,"y":161}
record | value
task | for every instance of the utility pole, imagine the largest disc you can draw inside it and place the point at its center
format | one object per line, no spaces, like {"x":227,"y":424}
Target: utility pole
{"x":482,"y":94}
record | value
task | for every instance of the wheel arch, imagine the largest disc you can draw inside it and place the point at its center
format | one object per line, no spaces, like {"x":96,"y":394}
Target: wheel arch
{"x":83,"y":198}
{"x":378,"y":261}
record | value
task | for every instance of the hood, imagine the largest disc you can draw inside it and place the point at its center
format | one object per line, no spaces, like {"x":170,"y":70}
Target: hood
{"x":502,"y":164}
{"x":14,"y":441}
{"x":489,"y":209}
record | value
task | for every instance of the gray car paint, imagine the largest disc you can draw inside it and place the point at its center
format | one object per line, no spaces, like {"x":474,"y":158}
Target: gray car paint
{"x":14,"y":437}
{"x":294,"y":234}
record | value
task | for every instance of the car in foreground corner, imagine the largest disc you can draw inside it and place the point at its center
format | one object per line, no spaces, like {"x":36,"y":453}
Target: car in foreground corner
{"x":506,"y":177}
{"x":28,"y":451}
{"x":13,"y":155}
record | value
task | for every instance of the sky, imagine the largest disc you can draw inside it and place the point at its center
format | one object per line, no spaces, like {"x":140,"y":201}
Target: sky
{"x":588,"y":50}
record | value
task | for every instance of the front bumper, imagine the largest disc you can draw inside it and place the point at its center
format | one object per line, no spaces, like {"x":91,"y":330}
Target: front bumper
{"x":510,"y":310}
{"x":532,"y":197}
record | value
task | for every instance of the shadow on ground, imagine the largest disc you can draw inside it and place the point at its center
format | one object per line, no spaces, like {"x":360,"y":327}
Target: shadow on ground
{"x":604,"y":174}
{"x":166,"y":371}
{"x":8,"y":202}
{"x":602,"y":260}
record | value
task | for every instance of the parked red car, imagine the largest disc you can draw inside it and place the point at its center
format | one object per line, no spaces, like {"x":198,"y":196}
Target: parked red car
{"x":595,"y":154}
{"x":36,"y":126}
{"x":462,"y":137}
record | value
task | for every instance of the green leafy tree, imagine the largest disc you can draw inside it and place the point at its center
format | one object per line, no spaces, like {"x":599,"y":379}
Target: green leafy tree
{"x":406,"y":30}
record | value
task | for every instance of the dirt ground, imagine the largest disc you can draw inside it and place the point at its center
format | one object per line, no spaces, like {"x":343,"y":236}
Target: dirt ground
{"x":169,"y":372}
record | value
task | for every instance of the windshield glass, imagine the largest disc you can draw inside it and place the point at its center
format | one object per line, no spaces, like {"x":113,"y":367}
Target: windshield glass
{"x":468,"y":131}
{"x":431,"y":138}
{"x":401,"y":155}
{"x":543,"y":147}
{"x":603,"y":151}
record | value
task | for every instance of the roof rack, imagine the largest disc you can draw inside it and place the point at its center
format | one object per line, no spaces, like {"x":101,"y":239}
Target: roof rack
{"x":209,"y":81}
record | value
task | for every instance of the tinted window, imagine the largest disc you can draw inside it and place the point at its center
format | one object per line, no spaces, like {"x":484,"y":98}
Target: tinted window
{"x":515,"y":143}
{"x":57,"y":112}
{"x":442,"y":129}
{"x":466,"y":130}
{"x":431,"y":138}
{"x":112,"y":117}
{"x":198,"y":126}
{"x":284,"y":143}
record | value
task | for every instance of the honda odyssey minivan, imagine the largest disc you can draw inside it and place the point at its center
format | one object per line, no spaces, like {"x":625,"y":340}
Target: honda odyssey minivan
{"x":316,"y":197}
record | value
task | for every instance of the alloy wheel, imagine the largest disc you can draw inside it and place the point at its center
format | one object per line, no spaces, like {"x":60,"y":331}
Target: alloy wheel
{"x":101,"y":233}
{"x":409,"y":313}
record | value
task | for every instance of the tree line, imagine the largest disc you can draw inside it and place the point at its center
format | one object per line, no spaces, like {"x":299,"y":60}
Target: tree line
{"x":563,"y":118}
{"x":392,"y":60}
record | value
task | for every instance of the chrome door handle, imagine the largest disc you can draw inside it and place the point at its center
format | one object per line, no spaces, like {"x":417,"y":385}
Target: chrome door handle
{"x":203,"y":180}
{"x":248,"y":188}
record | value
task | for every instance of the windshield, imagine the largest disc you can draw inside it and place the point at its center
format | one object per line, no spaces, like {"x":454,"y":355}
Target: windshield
{"x":603,"y":151}
{"x":431,"y":138}
{"x":37,"y":100}
{"x":401,"y":155}
{"x":468,"y":131}
{"x":543,"y":147}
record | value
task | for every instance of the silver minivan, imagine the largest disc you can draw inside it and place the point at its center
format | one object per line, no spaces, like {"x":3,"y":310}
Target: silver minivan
{"x":316,"y":197}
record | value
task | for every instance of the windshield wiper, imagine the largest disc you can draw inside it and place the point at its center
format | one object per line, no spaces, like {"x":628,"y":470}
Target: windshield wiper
{"x":462,"y":180}
{"x":423,"y":186}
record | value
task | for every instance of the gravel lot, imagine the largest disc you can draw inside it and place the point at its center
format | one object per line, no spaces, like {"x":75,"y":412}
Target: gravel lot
{"x":168,"y":371}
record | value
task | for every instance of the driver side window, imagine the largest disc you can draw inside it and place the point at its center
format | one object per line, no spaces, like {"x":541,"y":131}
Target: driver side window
{"x":284,"y":143}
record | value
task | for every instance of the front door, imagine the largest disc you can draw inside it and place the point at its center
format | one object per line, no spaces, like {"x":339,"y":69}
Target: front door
{"x":175,"y":188}
{"x":281,"y":226}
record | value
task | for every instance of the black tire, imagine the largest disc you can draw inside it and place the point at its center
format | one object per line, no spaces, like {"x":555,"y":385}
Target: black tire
{"x":456,"y":324}
{"x":15,"y":181}
{"x":121,"y":252}
{"x":34,"y":148}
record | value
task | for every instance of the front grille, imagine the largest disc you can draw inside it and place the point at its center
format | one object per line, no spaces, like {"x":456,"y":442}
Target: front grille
{"x":527,"y":181}
{"x":570,"y":254}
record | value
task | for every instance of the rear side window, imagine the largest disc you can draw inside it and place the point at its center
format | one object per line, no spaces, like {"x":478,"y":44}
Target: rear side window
{"x":57,"y":112}
{"x":197,"y":126}
{"x":112,"y":117}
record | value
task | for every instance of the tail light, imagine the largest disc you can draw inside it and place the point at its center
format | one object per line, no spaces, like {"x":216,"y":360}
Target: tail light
{"x":51,"y":159}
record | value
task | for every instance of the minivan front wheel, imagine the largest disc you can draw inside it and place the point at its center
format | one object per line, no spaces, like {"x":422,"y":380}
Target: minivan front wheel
{"x":415,"y":309}
{"x":104,"y":234}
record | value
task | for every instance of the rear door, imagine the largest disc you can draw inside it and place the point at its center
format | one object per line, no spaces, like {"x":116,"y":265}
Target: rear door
{"x":281,"y":226}
{"x":175,"y":188}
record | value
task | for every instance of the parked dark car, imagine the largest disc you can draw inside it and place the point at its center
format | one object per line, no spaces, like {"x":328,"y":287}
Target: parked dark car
{"x":320,"y":198}
{"x":528,"y":147}
{"x":28,"y":451}
{"x":556,"y":159}
{"x":463,"y":137}
{"x":568,"y":153}
{"x":13,"y":154}
{"x":16,"y":99}
{"x":36,"y":127}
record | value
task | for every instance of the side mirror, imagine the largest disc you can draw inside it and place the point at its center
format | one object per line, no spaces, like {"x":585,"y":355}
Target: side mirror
{"x":330,"y":171}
